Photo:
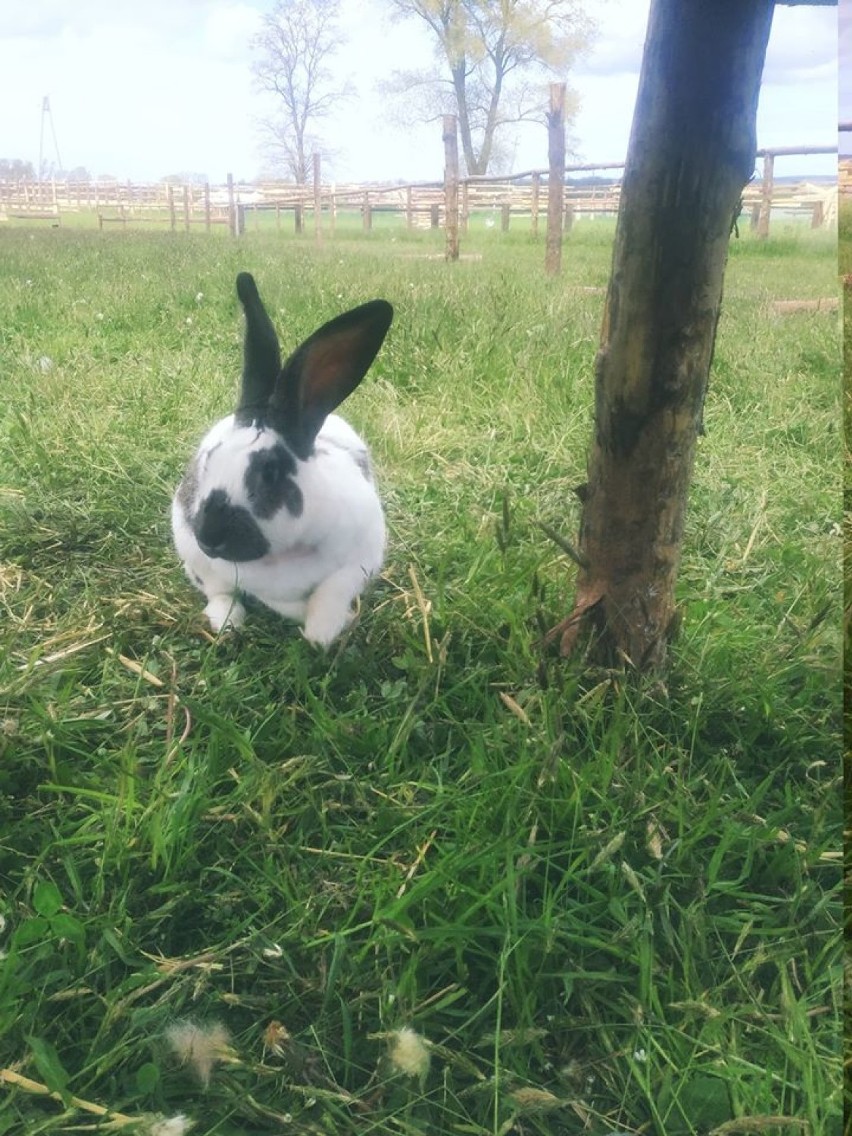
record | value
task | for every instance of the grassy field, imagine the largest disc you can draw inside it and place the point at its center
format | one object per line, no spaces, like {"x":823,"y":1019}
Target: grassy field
{"x":436,"y":880}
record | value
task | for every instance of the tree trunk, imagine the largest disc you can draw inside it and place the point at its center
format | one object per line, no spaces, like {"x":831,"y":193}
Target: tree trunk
{"x":451,"y":186}
{"x":460,"y":88}
{"x":691,"y":151}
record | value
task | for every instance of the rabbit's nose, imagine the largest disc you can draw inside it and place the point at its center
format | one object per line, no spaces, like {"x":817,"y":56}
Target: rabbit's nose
{"x":211,"y":522}
{"x":227,"y":531}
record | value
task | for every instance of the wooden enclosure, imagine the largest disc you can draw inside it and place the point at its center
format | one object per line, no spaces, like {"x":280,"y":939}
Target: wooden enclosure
{"x":522,"y":199}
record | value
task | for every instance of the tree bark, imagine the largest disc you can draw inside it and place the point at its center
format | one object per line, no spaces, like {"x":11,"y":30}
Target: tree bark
{"x":692,"y":149}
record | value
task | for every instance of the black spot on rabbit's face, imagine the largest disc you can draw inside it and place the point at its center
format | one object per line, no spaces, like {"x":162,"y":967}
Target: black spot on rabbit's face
{"x":225,"y":531}
{"x":270,"y":482}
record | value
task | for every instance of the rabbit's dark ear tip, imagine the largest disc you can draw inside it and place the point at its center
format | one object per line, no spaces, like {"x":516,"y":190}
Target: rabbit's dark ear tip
{"x":382,"y":309}
{"x":246,"y":287}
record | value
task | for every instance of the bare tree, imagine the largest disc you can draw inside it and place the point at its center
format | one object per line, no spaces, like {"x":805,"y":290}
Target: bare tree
{"x":494,"y":57}
{"x":293,"y":53}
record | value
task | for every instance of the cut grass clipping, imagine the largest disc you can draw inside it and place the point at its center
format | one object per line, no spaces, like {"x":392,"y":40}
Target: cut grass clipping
{"x":434,"y":880}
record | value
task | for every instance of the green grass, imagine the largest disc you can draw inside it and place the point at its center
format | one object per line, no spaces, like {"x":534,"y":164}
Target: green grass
{"x":845,"y":235}
{"x":608,"y":905}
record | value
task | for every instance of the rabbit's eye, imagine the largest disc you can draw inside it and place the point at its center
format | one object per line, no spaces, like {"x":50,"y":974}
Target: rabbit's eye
{"x":270,"y":482}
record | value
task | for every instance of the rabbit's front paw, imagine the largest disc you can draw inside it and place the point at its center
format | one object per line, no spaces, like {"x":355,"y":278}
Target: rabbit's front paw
{"x":323,"y":625}
{"x":225,"y":613}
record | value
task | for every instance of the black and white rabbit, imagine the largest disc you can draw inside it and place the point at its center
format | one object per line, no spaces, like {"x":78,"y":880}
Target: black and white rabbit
{"x":279,"y":502}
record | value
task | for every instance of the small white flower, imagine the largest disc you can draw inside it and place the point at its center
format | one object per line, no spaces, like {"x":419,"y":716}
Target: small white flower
{"x":189,"y":321}
{"x":199,"y":296}
{"x":409,"y":1052}
{"x":171,"y":1126}
{"x":99,"y":315}
{"x":640,"y":1056}
{"x":45,"y":364}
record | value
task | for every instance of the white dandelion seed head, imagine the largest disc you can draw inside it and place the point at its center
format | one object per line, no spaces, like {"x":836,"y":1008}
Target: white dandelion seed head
{"x":409,"y":1052}
{"x":170,"y":1126}
{"x":200,"y":1046}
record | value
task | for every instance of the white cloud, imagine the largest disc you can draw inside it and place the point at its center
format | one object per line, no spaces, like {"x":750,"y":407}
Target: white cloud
{"x":228,"y":32}
{"x":617,"y":49}
{"x":845,"y":42}
{"x":803,"y":45}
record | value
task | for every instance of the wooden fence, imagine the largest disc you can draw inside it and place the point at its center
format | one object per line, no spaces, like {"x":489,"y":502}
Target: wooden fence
{"x":591,"y":189}
{"x":123,"y":203}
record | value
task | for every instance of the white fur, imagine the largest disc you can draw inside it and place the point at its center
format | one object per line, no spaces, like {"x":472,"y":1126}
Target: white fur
{"x":320,"y":561}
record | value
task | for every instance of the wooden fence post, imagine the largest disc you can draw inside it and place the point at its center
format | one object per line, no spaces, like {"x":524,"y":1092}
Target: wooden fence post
{"x":505,"y":216}
{"x":409,"y":207}
{"x":170,"y":197}
{"x":186,"y":207}
{"x":451,"y":185}
{"x":317,"y":197}
{"x":555,"y":179}
{"x":766,"y":195}
{"x":367,"y":212}
{"x":208,"y":219}
{"x":465,"y":207}
{"x":536,"y":189}
{"x":232,"y":208}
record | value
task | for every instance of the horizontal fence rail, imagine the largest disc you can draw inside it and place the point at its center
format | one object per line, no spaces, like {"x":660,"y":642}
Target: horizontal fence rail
{"x":591,"y":189}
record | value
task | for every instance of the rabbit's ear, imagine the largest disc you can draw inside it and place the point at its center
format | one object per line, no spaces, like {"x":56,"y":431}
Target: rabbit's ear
{"x":326,"y":368}
{"x":261,"y":354}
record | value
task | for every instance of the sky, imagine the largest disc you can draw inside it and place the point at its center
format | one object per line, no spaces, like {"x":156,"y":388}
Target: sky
{"x":143,"y":90}
{"x":845,"y":62}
